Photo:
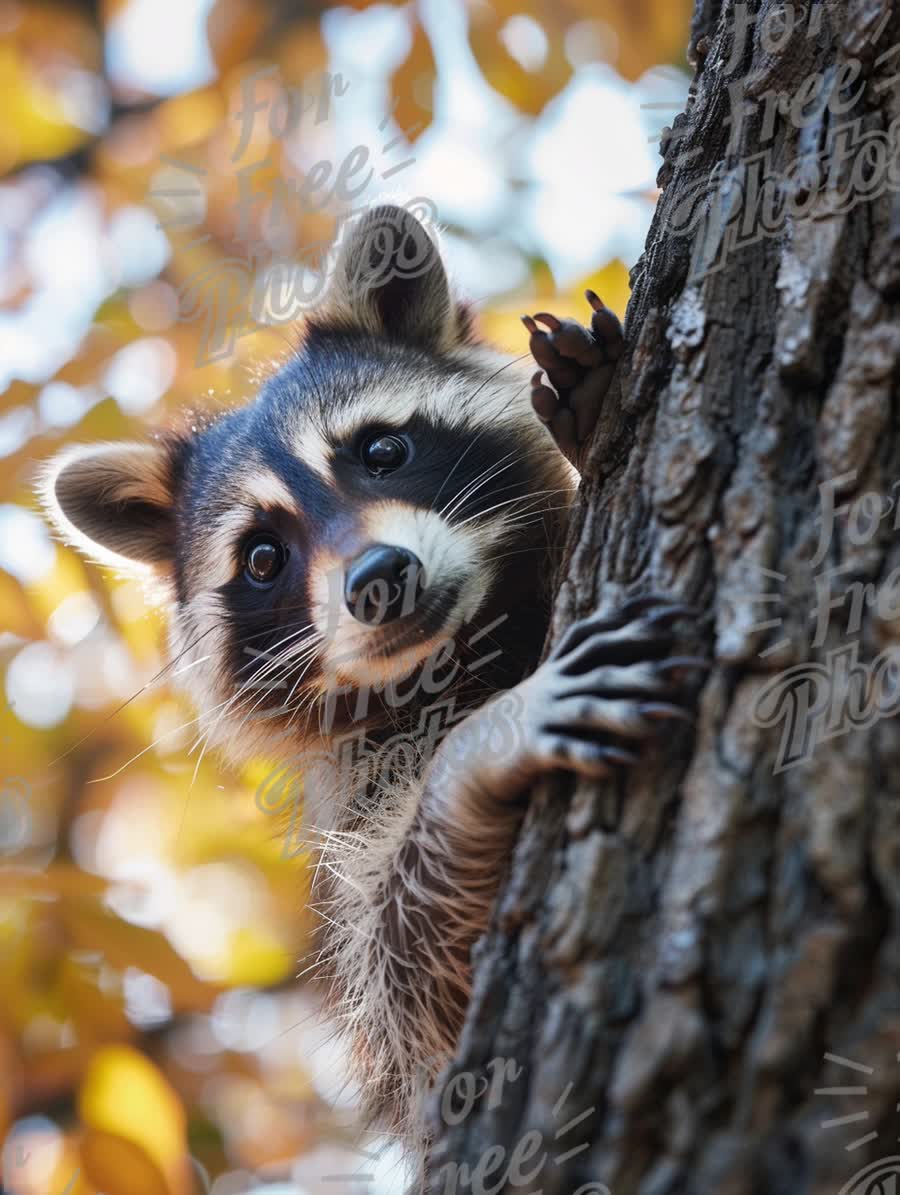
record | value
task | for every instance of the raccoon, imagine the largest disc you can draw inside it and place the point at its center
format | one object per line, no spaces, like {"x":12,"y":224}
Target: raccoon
{"x":358,"y":566}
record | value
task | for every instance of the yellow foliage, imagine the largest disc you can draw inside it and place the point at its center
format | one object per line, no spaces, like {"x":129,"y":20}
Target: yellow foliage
{"x":134,"y":1142}
{"x":412,"y":85}
{"x":502,"y":323}
{"x":34,"y":125}
{"x":529,"y":90}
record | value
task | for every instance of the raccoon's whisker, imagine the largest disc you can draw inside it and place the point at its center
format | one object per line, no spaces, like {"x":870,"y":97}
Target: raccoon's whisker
{"x":561,"y":489}
{"x":281,"y":668}
{"x":193,"y":664}
{"x":449,"y":506}
{"x":307,"y":663}
{"x":536,"y":499}
{"x":528,"y":518}
{"x":273,"y":661}
{"x":285,"y":657}
{"x":166,"y":734}
{"x":299,"y":705}
{"x":250,"y":683}
{"x":290,"y":659}
{"x":134,"y":696}
{"x":206,"y":738}
{"x":472,"y":487}
{"x":535,"y":495}
{"x":468,"y":491}
{"x":307,"y":702}
{"x":472,"y":396}
{"x":456,"y":660}
{"x":224,"y":706}
{"x":475,"y":440}
{"x":269,"y":651}
{"x":516,"y":513}
{"x":533,"y":548}
{"x":296,"y":683}
{"x":481,"y":483}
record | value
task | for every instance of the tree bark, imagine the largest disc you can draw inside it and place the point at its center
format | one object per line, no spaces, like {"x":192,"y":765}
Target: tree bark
{"x":675,"y":954}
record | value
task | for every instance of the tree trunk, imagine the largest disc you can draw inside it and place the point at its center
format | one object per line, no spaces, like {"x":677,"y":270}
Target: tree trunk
{"x":676,"y":955}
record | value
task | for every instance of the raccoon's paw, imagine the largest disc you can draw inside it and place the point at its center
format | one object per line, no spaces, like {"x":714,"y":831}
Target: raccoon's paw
{"x":579,"y":363}
{"x":610,"y":683}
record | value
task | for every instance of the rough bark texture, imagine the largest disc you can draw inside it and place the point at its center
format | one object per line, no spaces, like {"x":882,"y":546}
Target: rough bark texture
{"x":677,"y":953}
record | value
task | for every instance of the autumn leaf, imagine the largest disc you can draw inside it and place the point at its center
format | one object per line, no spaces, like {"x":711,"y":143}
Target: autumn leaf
{"x":135,"y":1139}
{"x":412,"y":85}
{"x":529,"y":89}
{"x":233,"y":27}
{"x":34,"y":124}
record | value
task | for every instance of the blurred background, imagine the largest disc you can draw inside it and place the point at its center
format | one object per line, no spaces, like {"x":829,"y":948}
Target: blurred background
{"x":159,"y":158}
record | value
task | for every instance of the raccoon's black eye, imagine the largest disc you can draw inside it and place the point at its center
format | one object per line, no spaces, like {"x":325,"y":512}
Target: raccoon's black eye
{"x":264,"y":558}
{"x":384,"y":452}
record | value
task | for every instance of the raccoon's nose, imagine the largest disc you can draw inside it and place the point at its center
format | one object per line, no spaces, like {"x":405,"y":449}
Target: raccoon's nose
{"x":382,"y":584}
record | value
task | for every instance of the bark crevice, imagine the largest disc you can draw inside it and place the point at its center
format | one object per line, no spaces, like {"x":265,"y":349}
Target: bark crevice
{"x":676,"y":954}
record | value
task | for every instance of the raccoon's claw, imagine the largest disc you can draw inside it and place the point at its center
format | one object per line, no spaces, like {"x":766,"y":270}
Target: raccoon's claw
{"x":609,"y":684}
{"x":606,"y":327}
{"x":579,"y":363}
{"x":679,"y":665}
{"x":559,"y":419}
{"x":586,"y":759}
{"x":637,"y":625}
{"x":662,"y":711}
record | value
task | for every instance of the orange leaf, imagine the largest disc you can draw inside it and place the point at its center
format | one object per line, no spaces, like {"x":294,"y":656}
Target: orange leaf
{"x":135,"y":1142}
{"x":529,"y":90}
{"x":412,"y":86}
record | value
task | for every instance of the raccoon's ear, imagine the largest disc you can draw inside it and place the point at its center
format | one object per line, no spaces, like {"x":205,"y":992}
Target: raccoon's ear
{"x":116,"y":501}
{"x":389,"y":280}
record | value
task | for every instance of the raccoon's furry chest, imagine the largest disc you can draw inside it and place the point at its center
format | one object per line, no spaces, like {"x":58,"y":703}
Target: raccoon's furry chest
{"x":379,"y":741}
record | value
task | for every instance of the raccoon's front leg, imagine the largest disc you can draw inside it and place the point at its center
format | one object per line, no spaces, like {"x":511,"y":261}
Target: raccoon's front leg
{"x":606,"y":686}
{"x":579,"y":363}
{"x":609,"y":684}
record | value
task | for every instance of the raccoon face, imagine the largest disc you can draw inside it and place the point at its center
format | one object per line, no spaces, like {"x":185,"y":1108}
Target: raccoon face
{"x":373,"y":502}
